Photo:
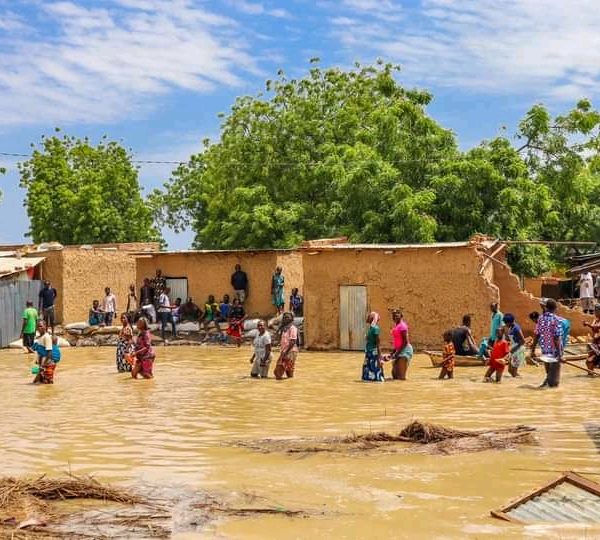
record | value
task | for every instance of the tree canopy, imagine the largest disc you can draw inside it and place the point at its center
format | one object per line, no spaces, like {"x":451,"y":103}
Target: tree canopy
{"x":79,"y":193}
{"x":353,"y":152}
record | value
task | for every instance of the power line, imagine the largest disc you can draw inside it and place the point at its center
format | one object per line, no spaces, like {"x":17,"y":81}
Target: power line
{"x":146,"y":161}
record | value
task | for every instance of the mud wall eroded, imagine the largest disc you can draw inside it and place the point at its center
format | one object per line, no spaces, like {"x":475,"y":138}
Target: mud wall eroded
{"x":434,"y":287}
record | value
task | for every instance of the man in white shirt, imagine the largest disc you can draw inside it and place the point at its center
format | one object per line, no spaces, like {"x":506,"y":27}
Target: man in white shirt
{"x":586,"y":292}
{"x":165,"y":313}
{"x":109,"y":306}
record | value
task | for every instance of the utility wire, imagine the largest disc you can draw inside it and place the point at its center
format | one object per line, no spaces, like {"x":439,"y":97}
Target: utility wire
{"x":149,"y":161}
{"x":432,"y":159}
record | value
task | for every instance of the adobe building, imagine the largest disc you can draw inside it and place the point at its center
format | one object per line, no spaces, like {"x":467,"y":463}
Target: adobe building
{"x":197,"y":274}
{"x":80,"y":274}
{"x":433,"y":284}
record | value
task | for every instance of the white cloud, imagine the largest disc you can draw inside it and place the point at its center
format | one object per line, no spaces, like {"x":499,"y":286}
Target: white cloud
{"x":387,"y":10}
{"x":258,"y":8}
{"x":82,"y":64}
{"x":547,"y":47}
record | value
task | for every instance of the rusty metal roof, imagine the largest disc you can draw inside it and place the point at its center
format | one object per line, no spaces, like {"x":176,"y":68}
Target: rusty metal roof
{"x":15,"y":265}
{"x":569,"y":499}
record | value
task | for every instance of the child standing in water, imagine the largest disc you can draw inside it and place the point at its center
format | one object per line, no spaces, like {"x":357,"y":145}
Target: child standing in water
{"x":144,"y":352}
{"x":448,"y":355}
{"x":47,"y":350}
{"x":499,"y":357}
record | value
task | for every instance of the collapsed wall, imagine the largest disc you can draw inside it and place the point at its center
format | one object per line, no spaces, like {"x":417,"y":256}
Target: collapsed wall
{"x":521,"y":303}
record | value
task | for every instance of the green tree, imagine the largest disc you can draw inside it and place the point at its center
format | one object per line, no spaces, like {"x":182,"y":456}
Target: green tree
{"x":337,"y":152}
{"x":78,"y":193}
{"x":354,"y":153}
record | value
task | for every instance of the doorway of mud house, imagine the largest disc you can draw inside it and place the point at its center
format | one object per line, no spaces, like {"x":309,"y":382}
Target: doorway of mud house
{"x":353,"y":314}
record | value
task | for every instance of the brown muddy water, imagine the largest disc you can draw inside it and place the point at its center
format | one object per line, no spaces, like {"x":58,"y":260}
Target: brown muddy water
{"x":174,"y":432}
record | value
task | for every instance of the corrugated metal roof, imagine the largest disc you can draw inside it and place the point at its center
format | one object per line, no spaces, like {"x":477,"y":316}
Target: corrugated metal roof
{"x":565,"y":503}
{"x":14,"y":265}
{"x":7,"y":253}
{"x":436,"y":245}
{"x":570,"y":499}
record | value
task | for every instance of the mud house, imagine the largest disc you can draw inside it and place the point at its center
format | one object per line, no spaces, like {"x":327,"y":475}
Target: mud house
{"x":434,"y":284}
{"x":80,"y":274}
{"x":197,"y":274}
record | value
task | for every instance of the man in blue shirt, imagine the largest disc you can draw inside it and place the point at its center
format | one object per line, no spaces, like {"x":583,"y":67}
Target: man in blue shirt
{"x":47,"y":298}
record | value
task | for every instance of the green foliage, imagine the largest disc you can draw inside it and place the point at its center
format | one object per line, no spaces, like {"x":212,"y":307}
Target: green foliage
{"x":78,"y":193}
{"x":354,"y":153}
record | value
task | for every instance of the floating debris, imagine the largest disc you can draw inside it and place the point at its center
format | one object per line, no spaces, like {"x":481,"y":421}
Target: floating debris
{"x":571,"y":498}
{"x":417,"y":437}
{"x":44,"y":508}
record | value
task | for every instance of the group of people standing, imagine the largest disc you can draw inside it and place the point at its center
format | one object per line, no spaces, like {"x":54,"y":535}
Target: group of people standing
{"x":402,"y":350}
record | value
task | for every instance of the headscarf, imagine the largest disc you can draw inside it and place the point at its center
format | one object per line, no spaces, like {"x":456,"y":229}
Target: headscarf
{"x":284,"y":327}
{"x":374,"y":318}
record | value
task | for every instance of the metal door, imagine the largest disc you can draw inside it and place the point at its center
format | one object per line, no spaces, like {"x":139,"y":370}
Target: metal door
{"x":353,"y":314}
{"x":179,"y":289}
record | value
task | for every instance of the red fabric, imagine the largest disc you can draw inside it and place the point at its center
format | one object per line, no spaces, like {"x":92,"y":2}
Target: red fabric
{"x":500,"y":349}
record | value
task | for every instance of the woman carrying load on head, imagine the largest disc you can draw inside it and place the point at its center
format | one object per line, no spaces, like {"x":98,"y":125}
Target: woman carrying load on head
{"x":125,"y":344}
{"x":403,"y":351}
{"x":517,"y":344}
{"x":372,"y":367}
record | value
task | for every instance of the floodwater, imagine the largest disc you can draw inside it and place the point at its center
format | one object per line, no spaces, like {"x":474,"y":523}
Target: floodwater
{"x":173,"y":431}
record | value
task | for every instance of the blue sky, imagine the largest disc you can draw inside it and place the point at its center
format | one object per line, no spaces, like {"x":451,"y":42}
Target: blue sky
{"x":155,"y":73}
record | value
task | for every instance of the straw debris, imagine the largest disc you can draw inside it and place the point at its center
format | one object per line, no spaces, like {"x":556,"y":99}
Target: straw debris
{"x":417,"y":437}
{"x":43,"y":508}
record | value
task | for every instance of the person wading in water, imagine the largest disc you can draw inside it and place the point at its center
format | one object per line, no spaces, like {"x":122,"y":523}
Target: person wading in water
{"x":548,"y":333}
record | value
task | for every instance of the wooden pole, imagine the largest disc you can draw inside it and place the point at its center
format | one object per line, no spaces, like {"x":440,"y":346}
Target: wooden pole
{"x":589,"y":371}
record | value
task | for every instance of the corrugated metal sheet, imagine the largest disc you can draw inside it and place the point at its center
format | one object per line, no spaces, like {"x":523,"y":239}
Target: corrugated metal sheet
{"x":353,"y":313}
{"x":569,"y":499}
{"x":14,"y":265}
{"x":566,"y":503}
{"x":13,"y":296}
{"x":179,"y":289}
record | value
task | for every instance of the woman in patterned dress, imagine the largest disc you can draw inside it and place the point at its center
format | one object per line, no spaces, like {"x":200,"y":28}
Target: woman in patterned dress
{"x":125,"y":345}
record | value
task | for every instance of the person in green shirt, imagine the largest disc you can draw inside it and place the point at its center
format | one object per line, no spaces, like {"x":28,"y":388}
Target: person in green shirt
{"x":30,"y":319}
{"x":372,"y":366}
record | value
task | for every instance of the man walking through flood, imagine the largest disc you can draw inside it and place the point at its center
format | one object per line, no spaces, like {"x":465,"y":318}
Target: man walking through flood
{"x":548,"y":333}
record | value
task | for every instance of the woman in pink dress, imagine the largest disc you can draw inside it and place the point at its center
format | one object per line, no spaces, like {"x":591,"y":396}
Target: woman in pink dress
{"x":144,"y":352}
{"x":403,"y":351}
